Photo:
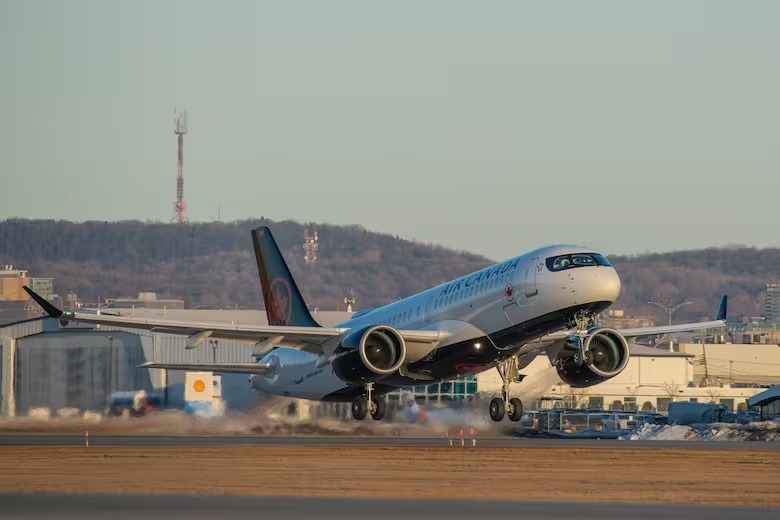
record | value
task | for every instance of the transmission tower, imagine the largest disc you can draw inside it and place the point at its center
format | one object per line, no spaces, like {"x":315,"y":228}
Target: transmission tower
{"x":310,"y":244}
{"x":180,"y":128}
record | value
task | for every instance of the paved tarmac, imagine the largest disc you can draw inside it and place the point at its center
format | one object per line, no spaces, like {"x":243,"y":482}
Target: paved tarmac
{"x":197,"y":507}
{"x":38,"y":439}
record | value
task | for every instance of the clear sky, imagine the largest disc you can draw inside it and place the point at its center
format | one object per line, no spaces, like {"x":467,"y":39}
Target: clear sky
{"x":492,"y":127}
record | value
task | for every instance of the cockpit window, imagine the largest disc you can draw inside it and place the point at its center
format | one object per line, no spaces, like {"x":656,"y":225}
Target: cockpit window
{"x":559,"y":263}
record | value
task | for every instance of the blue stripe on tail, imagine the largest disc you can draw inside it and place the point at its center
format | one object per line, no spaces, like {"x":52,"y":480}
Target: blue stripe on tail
{"x":284,"y":304}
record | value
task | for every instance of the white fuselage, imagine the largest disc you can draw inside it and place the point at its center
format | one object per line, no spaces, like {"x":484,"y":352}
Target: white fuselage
{"x":496,"y":298}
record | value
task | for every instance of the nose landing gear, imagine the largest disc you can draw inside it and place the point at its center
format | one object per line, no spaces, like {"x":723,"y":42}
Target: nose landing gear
{"x":366,"y":404}
{"x":510,"y":373}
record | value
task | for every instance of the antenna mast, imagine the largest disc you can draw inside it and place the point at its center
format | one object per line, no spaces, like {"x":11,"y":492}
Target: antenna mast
{"x":310,"y":244}
{"x":180,"y":128}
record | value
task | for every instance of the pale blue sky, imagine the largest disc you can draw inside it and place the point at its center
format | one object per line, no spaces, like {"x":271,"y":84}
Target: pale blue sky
{"x":493,"y":127}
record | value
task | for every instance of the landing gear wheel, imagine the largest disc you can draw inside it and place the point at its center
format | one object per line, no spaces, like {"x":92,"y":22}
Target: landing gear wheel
{"x":515,"y":409}
{"x":497,"y":409}
{"x":378,"y":412}
{"x":359,"y":408}
{"x":509,"y":370}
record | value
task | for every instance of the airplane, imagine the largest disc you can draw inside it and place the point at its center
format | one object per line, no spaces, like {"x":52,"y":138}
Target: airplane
{"x":501,"y":316}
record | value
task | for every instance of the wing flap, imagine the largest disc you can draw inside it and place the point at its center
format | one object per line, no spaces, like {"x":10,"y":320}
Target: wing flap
{"x":234,"y":368}
{"x":667,"y":329}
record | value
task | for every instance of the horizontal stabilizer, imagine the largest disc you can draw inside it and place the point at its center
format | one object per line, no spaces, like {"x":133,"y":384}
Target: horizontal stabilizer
{"x":234,"y":368}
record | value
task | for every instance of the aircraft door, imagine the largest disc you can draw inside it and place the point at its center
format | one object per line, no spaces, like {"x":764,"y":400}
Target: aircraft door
{"x":530,"y":277}
{"x":513,"y":313}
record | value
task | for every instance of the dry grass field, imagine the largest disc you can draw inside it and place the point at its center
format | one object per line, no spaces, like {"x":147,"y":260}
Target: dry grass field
{"x":702,"y":476}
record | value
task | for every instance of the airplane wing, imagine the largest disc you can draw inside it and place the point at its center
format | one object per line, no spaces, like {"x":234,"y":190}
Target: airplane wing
{"x":719,"y":321}
{"x":316,"y":340}
{"x":234,"y":368}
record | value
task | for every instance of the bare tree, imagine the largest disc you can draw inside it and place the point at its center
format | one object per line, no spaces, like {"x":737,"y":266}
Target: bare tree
{"x":714,"y":393}
{"x":575,"y":397}
{"x":671,"y":389}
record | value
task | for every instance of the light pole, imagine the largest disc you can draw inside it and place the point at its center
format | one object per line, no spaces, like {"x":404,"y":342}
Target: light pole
{"x":110,"y":365}
{"x":670,"y":310}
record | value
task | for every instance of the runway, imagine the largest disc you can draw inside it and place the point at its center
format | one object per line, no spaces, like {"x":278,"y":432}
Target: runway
{"x":40,"y":439}
{"x":197,"y":507}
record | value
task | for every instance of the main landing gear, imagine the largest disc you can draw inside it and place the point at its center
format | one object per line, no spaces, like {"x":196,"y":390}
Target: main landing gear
{"x":510,"y":373}
{"x":365,"y":404}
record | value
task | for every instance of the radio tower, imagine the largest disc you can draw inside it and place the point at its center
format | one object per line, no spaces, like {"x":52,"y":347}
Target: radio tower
{"x":310,"y":244}
{"x":180,"y":128}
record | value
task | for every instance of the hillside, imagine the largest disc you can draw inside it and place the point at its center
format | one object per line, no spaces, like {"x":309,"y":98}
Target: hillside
{"x":212,"y":264}
{"x":699,"y":276}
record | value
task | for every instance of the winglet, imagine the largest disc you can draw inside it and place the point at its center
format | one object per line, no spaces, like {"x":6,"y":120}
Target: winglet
{"x":50,"y":309}
{"x":721,"y":316}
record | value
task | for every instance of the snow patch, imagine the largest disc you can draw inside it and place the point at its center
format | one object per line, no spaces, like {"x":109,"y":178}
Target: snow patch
{"x":756,"y":431}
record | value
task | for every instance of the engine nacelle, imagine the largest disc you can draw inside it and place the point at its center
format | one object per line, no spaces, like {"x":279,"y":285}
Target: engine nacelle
{"x":608,"y":355}
{"x":372,"y":353}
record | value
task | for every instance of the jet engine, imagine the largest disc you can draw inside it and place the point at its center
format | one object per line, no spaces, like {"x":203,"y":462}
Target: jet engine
{"x":370,"y":354}
{"x":607,"y":356}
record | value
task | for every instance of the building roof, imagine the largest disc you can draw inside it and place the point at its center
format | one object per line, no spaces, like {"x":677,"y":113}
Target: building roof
{"x":765,"y":397}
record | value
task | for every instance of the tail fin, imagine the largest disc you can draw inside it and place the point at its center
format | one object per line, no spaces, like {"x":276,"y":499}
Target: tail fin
{"x":284,"y":304}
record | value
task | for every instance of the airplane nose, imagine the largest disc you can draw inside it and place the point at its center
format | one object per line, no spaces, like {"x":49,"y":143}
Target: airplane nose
{"x":611,"y":285}
{"x":602,"y":285}
{"x":594,"y":284}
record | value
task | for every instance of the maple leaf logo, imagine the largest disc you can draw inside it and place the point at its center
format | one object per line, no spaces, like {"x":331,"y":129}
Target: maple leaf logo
{"x":281,"y":303}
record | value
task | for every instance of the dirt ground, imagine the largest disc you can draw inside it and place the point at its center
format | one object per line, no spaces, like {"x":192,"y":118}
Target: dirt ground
{"x":717,"y":476}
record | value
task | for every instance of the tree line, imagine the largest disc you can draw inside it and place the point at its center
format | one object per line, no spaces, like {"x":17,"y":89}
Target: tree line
{"x":212,"y":265}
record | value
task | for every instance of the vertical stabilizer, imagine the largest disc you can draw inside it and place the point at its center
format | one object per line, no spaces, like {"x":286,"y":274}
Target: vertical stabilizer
{"x":284,"y":304}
